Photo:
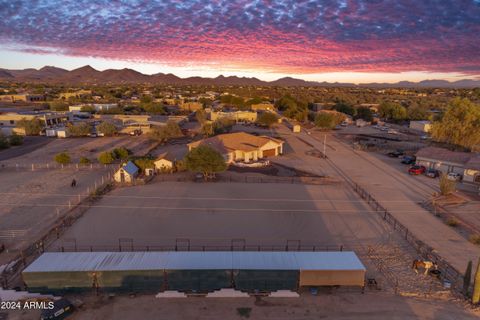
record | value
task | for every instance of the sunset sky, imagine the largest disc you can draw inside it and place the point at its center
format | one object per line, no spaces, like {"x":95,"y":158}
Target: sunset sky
{"x":331,"y":40}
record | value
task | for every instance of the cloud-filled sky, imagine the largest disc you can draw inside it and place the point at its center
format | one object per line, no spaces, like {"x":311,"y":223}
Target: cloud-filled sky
{"x":352,"y":40}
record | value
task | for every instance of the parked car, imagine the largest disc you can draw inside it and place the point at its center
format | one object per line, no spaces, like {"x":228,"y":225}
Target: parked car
{"x":416,"y":170}
{"x":432,"y":173}
{"x":454,"y":176}
{"x":392,"y":131}
{"x":395,"y":154}
{"x":61,"y":309}
{"x":409,"y":160}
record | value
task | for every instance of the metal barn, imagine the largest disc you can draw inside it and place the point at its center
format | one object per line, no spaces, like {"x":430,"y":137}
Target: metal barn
{"x":58,"y":272}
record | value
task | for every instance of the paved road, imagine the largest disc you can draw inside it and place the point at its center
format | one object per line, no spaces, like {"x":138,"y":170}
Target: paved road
{"x":400,"y":194}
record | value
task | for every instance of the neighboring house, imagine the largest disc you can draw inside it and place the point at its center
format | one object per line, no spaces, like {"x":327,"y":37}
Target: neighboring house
{"x":264,"y":106}
{"x":126,"y":173}
{"x":97,"y":106}
{"x":191,"y":106}
{"x":9,"y":120}
{"x":237,"y":116}
{"x":76,"y":94}
{"x":464,"y":163}
{"x":241,"y":146}
{"x":472,"y":169}
{"x":22,"y":97}
{"x":164,"y":163}
{"x":423,"y":125}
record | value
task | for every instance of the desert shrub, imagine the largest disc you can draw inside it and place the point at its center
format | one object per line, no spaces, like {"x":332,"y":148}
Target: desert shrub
{"x":84,"y":161}
{"x":15,"y":140}
{"x":475,"y":239}
{"x":452,"y":222}
{"x":106,"y":157}
{"x":121,"y":153}
{"x":62,"y":158}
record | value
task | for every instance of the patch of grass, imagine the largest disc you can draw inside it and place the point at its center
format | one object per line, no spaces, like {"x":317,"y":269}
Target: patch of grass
{"x":475,"y":239}
{"x":452,"y":222}
{"x":244,"y":312}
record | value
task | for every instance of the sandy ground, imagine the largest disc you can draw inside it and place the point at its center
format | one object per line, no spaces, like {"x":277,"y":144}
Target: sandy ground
{"x":29,"y":200}
{"x":327,"y":305}
{"x":76,"y":147}
{"x":215,"y":213}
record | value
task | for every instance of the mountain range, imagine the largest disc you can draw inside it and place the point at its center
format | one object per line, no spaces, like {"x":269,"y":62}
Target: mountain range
{"x":89,"y":75}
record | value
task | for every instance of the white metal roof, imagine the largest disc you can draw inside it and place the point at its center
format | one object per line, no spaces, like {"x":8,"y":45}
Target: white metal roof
{"x":221,"y":260}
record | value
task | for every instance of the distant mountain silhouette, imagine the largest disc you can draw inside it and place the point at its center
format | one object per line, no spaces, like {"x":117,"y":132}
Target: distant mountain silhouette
{"x":88,"y":75}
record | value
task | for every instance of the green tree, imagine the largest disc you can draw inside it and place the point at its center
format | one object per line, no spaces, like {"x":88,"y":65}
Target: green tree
{"x":201,"y":116}
{"x":154,"y":108}
{"x":58,"y":106}
{"x":107,"y":128}
{"x":346,"y":108}
{"x":79,"y":130}
{"x":208,"y":129}
{"x":144,"y":163}
{"x":171,"y":130}
{"x":364,"y":113}
{"x":121,"y":153}
{"x":106,"y":157}
{"x":267,"y":119}
{"x":417,"y":113}
{"x":62,"y":158}
{"x":392,"y":111}
{"x":15,"y":140}
{"x":32,"y":127}
{"x":3,"y":142}
{"x":460,"y":124}
{"x":446,"y":185}
{"x":84,"y":161}
{"x":325,"y":120}
{"x":88,"y":108}
{"x":206,"y":160}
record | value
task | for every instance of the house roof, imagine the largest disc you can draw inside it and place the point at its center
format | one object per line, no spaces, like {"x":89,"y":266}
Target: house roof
{"x":441,"y":154}
{"x":130,"y":168}
{"x":215,"y":260}
{"x":235,"y":141}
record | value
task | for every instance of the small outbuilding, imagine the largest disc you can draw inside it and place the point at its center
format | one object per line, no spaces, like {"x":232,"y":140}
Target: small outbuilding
{"x":127,"y":173}
{"x":164,"y":163}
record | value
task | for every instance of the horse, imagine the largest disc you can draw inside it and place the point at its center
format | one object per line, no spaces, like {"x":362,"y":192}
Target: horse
{"x":425,"y":264}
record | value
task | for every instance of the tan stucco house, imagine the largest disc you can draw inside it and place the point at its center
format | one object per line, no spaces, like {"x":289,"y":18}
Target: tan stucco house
{"x":241,"y":146}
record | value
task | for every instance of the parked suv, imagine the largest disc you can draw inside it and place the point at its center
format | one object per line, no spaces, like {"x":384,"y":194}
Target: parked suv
{"x":432,"y":173}
{"x":416,"y":170}
{"x":395,"y":154}
{"x":454,"y":176}
{"x":408,"y":160}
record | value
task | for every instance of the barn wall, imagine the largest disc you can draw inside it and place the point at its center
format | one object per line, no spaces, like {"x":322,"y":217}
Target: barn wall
{"x":332,"y":278}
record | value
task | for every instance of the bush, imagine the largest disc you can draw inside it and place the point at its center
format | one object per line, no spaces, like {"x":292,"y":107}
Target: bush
{"x":107,"y":128}
{"x":84,"y":161}
{"x":475,"y":239}
{"x":62,"y":158}
{"x":267,"y":119}
{"x":3,"y":142}
{"x":79,"y":130}
{"x":15,"y":140}
{"x":452,"y":222}
{"x":180,"y":166}
{"x":144,"y":163}
{"x":121,"y":153}
{"x":325,"y":120}
{"x":106,"y":157}
{"x":447,"y":186}
{"x":32,"y":127}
